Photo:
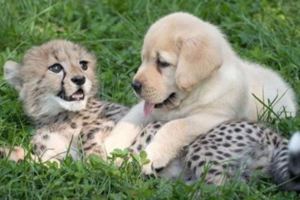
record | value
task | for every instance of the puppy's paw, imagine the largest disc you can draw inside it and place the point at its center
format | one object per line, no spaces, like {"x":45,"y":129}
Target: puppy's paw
{"x":147,"y":169}
{"x":150,"y":170}
{"x":156,"y":164}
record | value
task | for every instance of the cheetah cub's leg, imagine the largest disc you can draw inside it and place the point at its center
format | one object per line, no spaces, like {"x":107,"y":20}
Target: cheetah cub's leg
{"x":144,"y":138}
{"x":16,"y":153}
{"x":47,"y":146}
{"x":52,"y":146}
{"x":91,"y":139}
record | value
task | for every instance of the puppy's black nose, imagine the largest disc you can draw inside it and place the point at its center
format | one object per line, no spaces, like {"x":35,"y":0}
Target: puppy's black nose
{"x":137,"y":86}
{"x":78,"y":80}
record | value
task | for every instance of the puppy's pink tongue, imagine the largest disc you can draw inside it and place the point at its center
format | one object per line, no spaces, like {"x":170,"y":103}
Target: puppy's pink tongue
{"x":148,"y":108}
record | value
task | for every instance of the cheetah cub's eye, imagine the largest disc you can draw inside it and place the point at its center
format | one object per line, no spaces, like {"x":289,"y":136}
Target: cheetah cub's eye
{"x":56,"y":68}
{"x":84,"y":64}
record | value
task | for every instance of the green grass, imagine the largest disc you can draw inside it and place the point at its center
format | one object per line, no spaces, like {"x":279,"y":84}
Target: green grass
{"x":264,"y":31}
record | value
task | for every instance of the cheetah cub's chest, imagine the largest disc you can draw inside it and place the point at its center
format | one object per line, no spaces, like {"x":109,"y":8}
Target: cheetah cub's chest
{"x":82,"y":131}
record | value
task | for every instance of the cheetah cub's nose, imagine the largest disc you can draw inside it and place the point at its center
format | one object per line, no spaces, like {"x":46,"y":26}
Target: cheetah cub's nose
{"x":78,"y":80}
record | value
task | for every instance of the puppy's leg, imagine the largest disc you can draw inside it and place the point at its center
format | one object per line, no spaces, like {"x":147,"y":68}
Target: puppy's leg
{"x":127,"y":129}
{"x":173,"y":136}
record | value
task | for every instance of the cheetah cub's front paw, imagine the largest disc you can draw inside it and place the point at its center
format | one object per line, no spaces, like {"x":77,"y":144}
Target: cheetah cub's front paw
{"x":16,"y":154}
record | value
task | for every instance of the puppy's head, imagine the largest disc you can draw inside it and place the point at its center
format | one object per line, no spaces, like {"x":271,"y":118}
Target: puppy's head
{"x":179,"y":52}
{"x":56,"y":76}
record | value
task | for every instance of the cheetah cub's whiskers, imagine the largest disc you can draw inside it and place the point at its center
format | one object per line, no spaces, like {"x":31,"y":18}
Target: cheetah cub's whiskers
{"x":57,"y":84}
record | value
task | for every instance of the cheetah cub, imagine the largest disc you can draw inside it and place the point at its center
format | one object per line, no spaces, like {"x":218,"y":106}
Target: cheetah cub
{"x":232,"y":149}
{"x":57,"y":85}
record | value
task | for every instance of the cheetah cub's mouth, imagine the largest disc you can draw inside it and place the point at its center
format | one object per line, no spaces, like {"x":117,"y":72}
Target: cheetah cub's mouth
{"x":76,"y":96}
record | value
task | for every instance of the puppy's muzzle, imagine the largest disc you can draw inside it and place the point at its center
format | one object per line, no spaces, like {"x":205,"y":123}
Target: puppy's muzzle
{"x":137,"y":86}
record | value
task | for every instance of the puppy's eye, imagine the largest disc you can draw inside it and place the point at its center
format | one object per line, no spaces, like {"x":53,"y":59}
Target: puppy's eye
{"x":162,"y":64}
{"x":56,"y":68}
{"x":84,"y":64}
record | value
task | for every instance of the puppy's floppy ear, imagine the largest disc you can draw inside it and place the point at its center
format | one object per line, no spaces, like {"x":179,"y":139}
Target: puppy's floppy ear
{"x":199,"y":56}
{"x":12,"y":74}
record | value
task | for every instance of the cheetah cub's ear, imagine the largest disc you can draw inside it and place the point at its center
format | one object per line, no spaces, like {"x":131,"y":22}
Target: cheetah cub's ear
{"x":12,"y":74}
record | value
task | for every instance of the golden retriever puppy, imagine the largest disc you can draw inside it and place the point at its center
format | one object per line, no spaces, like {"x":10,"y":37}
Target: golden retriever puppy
{"x":191,"y":78}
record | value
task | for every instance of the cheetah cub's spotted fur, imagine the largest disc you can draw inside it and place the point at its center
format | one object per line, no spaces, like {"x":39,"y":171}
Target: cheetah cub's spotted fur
{"x":57,"y":85}
{"x":232,"y":149}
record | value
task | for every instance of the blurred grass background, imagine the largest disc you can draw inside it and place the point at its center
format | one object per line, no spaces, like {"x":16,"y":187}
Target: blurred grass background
{"x":264,"y":31}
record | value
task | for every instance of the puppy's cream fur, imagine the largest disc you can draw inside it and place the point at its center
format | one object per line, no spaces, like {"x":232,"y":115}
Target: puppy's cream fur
{"x":211,"y":82}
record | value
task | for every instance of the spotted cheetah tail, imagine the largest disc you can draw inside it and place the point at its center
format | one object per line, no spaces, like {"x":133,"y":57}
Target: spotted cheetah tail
{"x":294,"y":159}
{"x":286,"y":164}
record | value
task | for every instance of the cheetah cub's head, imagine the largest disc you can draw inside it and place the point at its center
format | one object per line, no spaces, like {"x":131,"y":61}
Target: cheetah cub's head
{"x":56,"y":76}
